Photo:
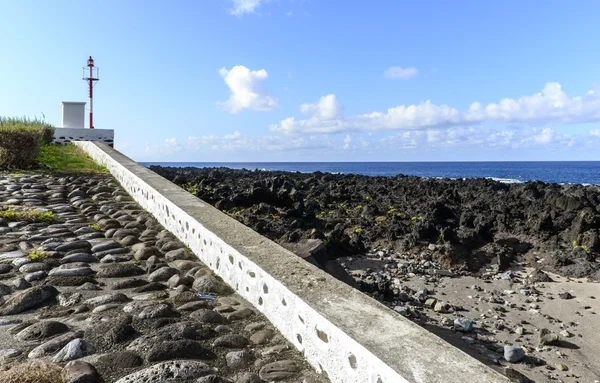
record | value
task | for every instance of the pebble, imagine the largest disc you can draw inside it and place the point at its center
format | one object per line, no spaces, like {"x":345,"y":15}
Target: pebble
{"x":75,"y":349}
{"x":280,"y":370}
{"x":76,"y":272}
{"x":463,"y":324}
{"x":77,"y":371}
{"x":513,"y":354}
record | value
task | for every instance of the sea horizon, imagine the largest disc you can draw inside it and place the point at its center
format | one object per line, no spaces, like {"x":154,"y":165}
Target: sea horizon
{"x":562,"y":172}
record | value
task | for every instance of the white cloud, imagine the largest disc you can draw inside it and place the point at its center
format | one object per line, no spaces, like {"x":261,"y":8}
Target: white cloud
{"x":270,"y":143}
{"x":347,"y":142}
{"x":550,"y":105}
{"x":168,"y":147}
{"x":245,"y":87}
{"x":396,"y":72}
{"x":326,"y":108}
{"x":241,"y":7}
{"x":595,"y":132}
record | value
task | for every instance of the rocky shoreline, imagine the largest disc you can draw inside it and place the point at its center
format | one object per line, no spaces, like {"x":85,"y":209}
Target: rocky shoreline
{"x":487,"y":266}
{"x":98,"y":291}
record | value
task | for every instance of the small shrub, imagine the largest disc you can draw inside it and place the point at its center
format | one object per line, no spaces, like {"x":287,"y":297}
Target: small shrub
{"x":20,"y":141}
{"x":32,"y":372}
{"x":95,"y":226}
{"x":36,"y":255}
{"x":358,"y":230}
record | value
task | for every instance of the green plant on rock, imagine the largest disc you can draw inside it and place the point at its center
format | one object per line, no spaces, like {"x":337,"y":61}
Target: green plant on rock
{"x":368,"y":197}
{"x":29,"y":215}
{"x":576,"y":246}
{"x":191,"y":188}
{"x":36,"y":255}
{"x":391,"y":210}
{"x":380,"y":219}
{"x":358,"y":230}
{"x":95,"y":226}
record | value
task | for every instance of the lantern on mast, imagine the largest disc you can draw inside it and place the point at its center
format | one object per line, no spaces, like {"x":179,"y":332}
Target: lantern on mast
{"x":92,"y":78}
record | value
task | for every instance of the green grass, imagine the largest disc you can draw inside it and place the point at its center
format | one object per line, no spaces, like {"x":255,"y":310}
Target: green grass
{"x":68,"y":159}
{"x":37,"y":255}
{"x":31,"y":215}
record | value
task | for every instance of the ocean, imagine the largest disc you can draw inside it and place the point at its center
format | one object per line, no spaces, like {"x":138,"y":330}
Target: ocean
{"x":563,"y":172}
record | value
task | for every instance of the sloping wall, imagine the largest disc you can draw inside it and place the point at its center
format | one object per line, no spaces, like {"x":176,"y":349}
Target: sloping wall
{"x":342,"y":332}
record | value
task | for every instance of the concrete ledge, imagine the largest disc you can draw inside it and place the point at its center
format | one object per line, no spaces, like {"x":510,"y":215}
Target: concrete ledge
{"x":67,"y":135}
{"x":342,"y":332}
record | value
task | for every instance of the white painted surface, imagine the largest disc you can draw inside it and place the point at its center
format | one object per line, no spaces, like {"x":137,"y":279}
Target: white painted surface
{"x":73,"y":114}
{"x":340,"y":331}
{"x":67,"y":135}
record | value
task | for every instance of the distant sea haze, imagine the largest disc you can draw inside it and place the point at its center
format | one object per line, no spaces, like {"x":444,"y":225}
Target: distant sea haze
{"x":563,"y":172}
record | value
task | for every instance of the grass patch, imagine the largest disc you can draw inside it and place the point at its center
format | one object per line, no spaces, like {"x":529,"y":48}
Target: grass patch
{"x":68,"y":159}
{"x":95,"y":226}
{"x":29,"y":215}
{"x":36,"y":255}
{"x":32,"y":372}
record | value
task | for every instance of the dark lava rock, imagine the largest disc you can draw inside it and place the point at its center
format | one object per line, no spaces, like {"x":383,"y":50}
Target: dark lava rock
{"x":154,"y":286}
{"x":179,"y":349}
{"x":231,"y":341}
{"x":129,"y":283}
{"x":42,"y":330}
{"x":29,"y":299}
{"x":77,"y":371}
{"x":121,"y":359}
{"x":565,"y":295}
{"x":118,"y":270}
{"x":207,"y":316}
{"x":69,"y":281}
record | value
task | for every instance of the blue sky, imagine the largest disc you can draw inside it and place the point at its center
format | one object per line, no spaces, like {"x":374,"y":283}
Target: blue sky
{"x":301,"y":80}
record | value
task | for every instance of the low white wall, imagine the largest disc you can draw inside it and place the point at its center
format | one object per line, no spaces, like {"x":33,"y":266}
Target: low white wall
{"x":67,"y":135}
{"x":342,"y":332}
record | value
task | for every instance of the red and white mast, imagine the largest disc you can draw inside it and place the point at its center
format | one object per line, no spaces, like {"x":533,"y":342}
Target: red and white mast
{"x":91,"y":79}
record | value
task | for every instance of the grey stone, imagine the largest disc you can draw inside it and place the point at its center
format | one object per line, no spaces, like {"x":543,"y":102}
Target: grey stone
{"x":262,"y":336}
{"x":169,"y":372}
{"x":33,"y":267}
{"x":280,"y":370}
{"x":106,"y":307}
{"x":88,"y":286}
{"x":79,"y":257}
{"x":238,"y":359}
{"x":42,"y":330}
{"x":78,"y":371}
{"x":159,"y":310}
{"x":35,"y":276}
{"x":463,"y":324}
{"x":178,"y":349}
{"x":21,"y":284}
{"x":107,"y":245}
{"x":207,"y":316}
{"x":182,"y":254}
{"x":28,"y":299}
{"x":212,"y":379}
{"x":75,"y":349}
{"x":118,"y":270}
{"x":53,"y":345}
{"x":107,"y":298}
{"x":76,"y":272}
{"x":231,"y":341}
{"x":210,"y":284}
{"x":75,"y":245}
{"x":111,"y":258}
{"x":178,"y":280}
{"x":162,"y":274}
{"x":547,"y":338}
{"x":247,"y":377}
{"x":513,"y":354}
{"x":145,"y":253}
{"x":242,"y":313}
{"x":184,"y":265}
{"x":5,"y":268}
{"x":12,"y":255}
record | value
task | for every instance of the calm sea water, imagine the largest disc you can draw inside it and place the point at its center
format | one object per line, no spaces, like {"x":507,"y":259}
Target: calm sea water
{"x":575,"y":172}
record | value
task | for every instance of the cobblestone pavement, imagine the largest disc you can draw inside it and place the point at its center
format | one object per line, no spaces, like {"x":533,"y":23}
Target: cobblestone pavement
{"x":103,"y":292}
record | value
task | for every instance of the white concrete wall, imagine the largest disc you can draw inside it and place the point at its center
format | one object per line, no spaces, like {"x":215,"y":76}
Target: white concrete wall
{"x":73,"y":114}
{"x":342,"y":332}
{"x":67,"y":135}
